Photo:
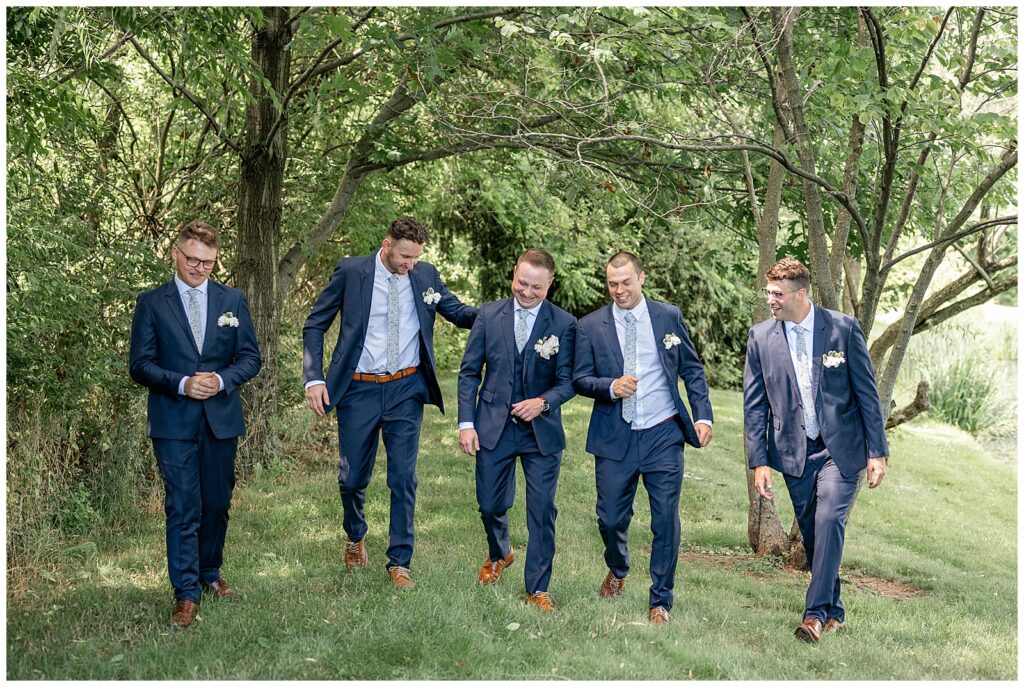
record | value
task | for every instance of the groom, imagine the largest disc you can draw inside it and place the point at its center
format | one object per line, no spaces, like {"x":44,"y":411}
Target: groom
{"x":193,"y":346}
{"x":811,"y":411}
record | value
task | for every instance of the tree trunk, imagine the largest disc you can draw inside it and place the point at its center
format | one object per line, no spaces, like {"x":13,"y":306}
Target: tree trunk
{"x":259,"y":224}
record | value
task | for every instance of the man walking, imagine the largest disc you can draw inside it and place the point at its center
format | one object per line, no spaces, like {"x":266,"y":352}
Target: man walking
{"x":629,"y":358}
{"x":193,"y":346}
{"x":381,"y":373}
{"x":811,"y":411}
{"x":526,"y":344}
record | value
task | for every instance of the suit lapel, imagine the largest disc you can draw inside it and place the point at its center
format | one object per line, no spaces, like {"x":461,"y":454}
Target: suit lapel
{"x":507,"y":323}
{"x":822,"y":322}
{"x":366,"y":291}
{"x":780,"y":349}
{"x":539,"y":331}
{"x":214,"y":309}
{"x":660,"y":326}
{"x":417,"y":299}
{"x":612,"y":337}
{"x":177,"y":309}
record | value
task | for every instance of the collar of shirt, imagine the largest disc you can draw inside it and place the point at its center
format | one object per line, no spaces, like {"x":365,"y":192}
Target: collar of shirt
{"x":807,"y":323}
{"x":535,"y":310}
{"x":639,"y":311}
{"x":382,"y":272}
{"x":183,"y":287}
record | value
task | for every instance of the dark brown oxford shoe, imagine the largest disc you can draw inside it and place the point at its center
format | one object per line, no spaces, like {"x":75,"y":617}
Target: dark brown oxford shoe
{"x":184,"y":613}
{"x":809,"y":630}
{"x":222,"y":590}
{"x":612,"y":586}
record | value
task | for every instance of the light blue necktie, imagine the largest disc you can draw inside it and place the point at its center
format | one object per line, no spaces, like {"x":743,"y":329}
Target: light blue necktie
{"x":195,"y":317}
{"x":393,"y":324}
{"x":521,"y":329}
{"x":803,"y":377}
{"x":629,"y":368}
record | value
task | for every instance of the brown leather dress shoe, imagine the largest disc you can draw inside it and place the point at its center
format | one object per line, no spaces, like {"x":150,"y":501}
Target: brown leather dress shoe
{"x":809,"y":630}
{"x":612,"y":586}
{"x":491,"y":570}
{"x":355,"y":554}
{"x":184,"y":613}
{"x":541,"y":600}
{"x":222,"y":590}
{"x":833,"y":625}
{"x":659,"y":615}
{"x":400,"y":577}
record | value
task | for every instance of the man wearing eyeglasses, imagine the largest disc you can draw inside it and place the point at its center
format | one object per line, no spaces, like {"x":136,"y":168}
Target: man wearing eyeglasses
{"x":193,"y":346}
{"x":811,"y":411}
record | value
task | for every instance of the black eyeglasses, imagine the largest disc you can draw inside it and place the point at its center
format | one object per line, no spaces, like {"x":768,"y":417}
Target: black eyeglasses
{"x":776,"y":295}
{"x":196,"y":262}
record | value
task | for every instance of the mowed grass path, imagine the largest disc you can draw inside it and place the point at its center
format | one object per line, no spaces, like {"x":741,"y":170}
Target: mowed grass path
{"x":944,"y":521}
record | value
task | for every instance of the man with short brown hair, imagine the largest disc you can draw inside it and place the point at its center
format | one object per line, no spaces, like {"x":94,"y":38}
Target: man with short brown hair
{"x":193,"y":346}
{"x":811,"y":411}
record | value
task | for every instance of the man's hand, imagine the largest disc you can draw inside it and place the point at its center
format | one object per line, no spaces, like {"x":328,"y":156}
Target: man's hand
{"x":317,"y":399}
{"x":876,"y":471}
{"x":624,"y":386}
{"x":763,"y":481}
{"x":703,"y":433}
{"x":469,"y":442}
{"x":528,"y":409}
{"x":202,"y":385}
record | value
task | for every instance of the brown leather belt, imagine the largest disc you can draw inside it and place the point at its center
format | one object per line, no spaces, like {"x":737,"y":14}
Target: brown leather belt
{"x":383,"y":378}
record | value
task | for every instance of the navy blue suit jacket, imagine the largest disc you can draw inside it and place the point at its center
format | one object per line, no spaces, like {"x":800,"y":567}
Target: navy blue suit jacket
{"x":350,"y":292}
{"x":599,"y":363}
{"x":492,"y":342}
{"x":845,"y":400}
{"x":163,"y":352}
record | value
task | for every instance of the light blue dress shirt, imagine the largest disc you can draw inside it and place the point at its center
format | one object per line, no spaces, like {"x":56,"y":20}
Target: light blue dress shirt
{"x":183,"y":290}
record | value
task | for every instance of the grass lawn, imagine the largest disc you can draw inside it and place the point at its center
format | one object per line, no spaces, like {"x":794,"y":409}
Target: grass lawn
{"x":944,"y":522}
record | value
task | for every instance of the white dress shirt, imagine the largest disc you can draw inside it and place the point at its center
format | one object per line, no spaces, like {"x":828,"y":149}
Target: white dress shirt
{"x":374,"y":359}
{"x":531,"y":319}
{"x":654,"y":403}
{"x":203,"y":299}
{"x":808,"y":325}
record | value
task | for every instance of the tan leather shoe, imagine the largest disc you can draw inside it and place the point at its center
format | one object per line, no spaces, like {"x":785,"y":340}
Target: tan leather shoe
{"x":659,"y":615}
{"x":491,"y":570}
{"x":355,"y":554}
{"x":222,"y":590}
{"x":612,"y":586}
{"x":400,"y":577}
{"x":833,"y":625}
{"x":184,"y":613}
{"x":809,"y":630}
{"x":541,"y":600}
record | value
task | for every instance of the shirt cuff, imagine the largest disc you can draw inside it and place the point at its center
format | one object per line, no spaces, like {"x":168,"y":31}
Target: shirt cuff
{"x":181,"y":386}
{"x":610,"y":392}
{"x":466,"y":425}
{"x":221,"y":380}
{"x":704,"y":422}
{"x":314,"y":383}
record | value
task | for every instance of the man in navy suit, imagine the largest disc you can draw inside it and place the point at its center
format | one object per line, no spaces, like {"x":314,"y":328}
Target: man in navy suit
{"x":629,"y":358}
{"x":811,"y":411}
{"x":381,"y":373}
{"x":526,"y":344}
{"x":193,"y":346}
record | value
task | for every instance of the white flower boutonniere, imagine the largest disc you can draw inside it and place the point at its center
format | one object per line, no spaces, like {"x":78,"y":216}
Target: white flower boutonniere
{"x":547,"y":346}
{"x":227,"y":320}
{"x":833,"y":359}
{"x":671,"y":340}
{"x":431,"y":297}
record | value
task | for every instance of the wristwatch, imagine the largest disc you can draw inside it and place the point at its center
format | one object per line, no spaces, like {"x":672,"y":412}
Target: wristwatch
{"x":545,"y":406}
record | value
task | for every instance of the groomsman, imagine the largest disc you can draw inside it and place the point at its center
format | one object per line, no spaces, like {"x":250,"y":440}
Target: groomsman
{"x":193,"y":346}
{"x":526,"y":344}
{"x":629,"y":357}
{"x":381,"y":373}
{"x":811,"y":411}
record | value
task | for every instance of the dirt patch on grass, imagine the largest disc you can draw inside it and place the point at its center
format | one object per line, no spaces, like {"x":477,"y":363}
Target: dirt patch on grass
{"x":760,"y":567}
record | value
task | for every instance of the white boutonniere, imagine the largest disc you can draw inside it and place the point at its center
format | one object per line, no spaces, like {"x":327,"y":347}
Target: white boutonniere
{"x":227,"y":320}
{"x":430,"y":297}
{"x":833,"y":359}
{"x":547,"y":346}
{"x":671,"y":340}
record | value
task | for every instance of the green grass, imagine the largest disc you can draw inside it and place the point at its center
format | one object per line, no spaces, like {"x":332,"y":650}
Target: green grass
{"x":944,"y":521}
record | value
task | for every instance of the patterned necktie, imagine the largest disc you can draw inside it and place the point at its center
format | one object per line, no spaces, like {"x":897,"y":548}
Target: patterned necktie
{"x":803,"y":376}
{"x":521,"y":330}
{"x":195,"y":318}
{"x":629,"y":368}
{"x":393,"y":324}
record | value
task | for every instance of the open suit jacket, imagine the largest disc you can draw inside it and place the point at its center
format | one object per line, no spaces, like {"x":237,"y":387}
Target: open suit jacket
{"x":492,"y":341}
{"x":599,"y":362}
{"x":163,"y":352}
{"x":350,"y":292}
{"x":845,"y":398}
